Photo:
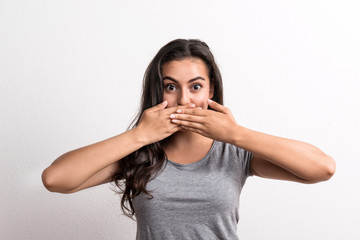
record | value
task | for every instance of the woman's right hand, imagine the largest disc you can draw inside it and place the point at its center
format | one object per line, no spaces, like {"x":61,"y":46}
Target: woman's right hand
{"x":96,"y":163}
{"x":155,"y":123}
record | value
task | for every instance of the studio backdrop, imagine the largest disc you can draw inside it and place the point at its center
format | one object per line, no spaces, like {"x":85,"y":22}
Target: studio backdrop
{"x":71,"y":75}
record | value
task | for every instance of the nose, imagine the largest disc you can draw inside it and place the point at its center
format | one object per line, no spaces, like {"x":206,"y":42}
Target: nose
{"x":184,"y":98}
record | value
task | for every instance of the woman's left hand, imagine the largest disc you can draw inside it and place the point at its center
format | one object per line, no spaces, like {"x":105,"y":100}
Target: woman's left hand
{"x":218,"y":124}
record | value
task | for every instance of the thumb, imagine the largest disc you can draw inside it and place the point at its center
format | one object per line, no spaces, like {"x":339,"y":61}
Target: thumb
{"x":159,"y":106}
{"x":216,"y":106}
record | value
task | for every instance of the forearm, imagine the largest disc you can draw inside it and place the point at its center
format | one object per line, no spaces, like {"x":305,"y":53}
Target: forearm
{"x":73,"y":168}
{"x":299,"y":158}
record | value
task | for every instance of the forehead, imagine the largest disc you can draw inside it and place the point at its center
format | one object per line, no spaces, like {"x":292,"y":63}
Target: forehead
{"x":185,"y":68}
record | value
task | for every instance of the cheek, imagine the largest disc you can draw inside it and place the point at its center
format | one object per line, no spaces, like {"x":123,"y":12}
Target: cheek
{"x":170,"y":99}
{"x":201,"y":101}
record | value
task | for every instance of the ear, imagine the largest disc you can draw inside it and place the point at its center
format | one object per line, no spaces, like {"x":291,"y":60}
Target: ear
{"x":211,"y":93}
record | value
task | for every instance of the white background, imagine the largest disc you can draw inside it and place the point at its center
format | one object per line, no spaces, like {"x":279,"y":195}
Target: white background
{"x":71,"y":74}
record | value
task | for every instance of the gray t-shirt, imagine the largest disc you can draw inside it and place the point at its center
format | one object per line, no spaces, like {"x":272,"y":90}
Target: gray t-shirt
{"x":195,"y":201}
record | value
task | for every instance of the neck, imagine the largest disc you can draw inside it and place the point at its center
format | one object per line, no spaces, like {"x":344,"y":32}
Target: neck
{"x":187,"y":139}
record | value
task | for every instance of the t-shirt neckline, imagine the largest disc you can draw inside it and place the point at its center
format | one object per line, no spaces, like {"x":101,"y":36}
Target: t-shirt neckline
{"x":194,"y":164}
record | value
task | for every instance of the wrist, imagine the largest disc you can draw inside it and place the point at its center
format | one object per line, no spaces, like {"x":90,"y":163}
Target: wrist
{"x":139,"y":137}
{"x":237,"y":135}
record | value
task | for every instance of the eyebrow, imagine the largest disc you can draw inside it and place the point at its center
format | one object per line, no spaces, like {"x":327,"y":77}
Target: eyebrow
{"x":191,"y":80}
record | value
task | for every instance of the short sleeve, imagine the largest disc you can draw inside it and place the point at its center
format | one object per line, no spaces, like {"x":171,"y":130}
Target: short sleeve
{"x":245,"y":158}
{"x":248,"y":159}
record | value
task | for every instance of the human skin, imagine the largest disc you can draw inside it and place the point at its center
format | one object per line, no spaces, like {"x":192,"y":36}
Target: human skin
{"x":186,"y":82}
{"x":184,"y":115}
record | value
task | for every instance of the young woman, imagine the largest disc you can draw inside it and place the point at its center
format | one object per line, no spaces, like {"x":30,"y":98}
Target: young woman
{"x":182,"y":165}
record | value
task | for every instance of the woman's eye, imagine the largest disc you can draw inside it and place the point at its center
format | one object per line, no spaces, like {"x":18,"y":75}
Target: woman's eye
{"x":197,"y":86}
{"x":170,"y":87}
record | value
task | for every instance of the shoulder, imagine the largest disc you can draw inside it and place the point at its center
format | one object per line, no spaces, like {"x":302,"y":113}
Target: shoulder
{"x":233,"y":159}
{"x":228,"y":150}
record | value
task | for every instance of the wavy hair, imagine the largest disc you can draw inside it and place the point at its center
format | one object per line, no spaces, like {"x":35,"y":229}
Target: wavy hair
{"x":138,"y":168}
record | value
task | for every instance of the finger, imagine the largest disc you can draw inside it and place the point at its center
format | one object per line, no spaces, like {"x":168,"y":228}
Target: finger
{"x":193,"y":130}
{"x":192,"y":111}
{"x":187,"y":123}
{"x":175,"y":128}
{"x":216,"y":106}
{"x":187,"y":117}
{"x":174,"y":109}
{"x":158,"y":107}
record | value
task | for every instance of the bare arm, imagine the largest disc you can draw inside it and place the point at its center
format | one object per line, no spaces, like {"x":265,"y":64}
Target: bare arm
{"x":89,"y":166}
{"x":273,"y":157}
{"x":95,"y":164}
{"x":284,"y":159}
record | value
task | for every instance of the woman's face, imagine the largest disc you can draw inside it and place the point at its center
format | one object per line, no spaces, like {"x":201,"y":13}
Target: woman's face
{"x":186,"y":81}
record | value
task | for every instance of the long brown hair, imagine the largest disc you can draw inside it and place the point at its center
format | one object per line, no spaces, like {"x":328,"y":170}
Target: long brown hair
{"x":139,"y":167}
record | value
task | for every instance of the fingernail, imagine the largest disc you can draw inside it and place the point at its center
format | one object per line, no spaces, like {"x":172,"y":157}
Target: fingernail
{"x":178,"y":111}
{"x":172,"y":116}
{"x":192,"y":105}
{"x":209,"y":101}
{"x":174,"y":120}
